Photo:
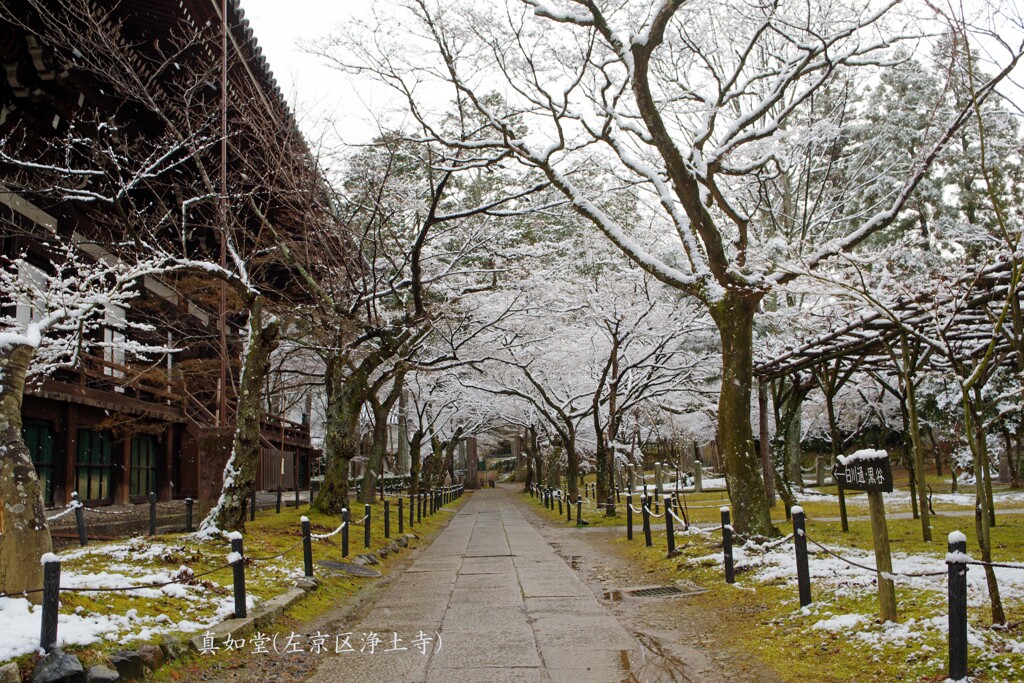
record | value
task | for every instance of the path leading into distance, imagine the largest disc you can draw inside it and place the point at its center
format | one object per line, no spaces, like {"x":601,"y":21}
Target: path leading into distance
{"x":505,"y":605}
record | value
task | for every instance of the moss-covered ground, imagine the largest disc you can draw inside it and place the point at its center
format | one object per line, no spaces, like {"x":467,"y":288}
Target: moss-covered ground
{"x":152,"y":615}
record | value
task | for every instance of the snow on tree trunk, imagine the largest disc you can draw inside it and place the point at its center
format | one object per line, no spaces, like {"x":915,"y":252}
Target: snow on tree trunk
{"x":24,"y":535}
{"x":240,"y":471}
{"x":734,"y":315}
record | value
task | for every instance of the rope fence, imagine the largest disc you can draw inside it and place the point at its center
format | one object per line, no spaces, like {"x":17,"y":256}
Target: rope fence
{"x":428,"y":501}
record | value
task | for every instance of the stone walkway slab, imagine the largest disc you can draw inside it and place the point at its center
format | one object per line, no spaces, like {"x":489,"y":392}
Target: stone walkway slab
{"x":503,"y":604}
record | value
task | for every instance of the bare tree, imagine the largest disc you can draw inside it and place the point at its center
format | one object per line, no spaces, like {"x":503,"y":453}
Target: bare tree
{"x":684,"y":103}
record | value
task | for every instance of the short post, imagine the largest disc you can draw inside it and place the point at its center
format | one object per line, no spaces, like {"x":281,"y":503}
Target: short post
{"x":188,"y":515}
{"x":79,"y":518}
{"x":559,"y":496}
{"x":387,"y":519}
{"x":366,"y":526}
{"x":956,"y":563}
{"x":568,"y":506}
{"x":238,"y":568}
{"x":419,"y":507}
{"x":401,"y":517}
{"x":730,"y":568}
{"x":307,"y":543}
{"x":883,"y":557}
{"x":629,"y":516}
{"x":579,"y":511}
{"x":618,"y":497}
{"x":657,"y":502}
{"x":803,"y":572}
{"x":278,"y":506}
{"x":252,"y":505}
{"x":669,"y":531}
{"x":345,"y":518}
{"x":152,"y":513}
{"x":297,"y":494}
{"x":412,"y":508}
{"x":647,"y":520}
{"x":51,"y":602}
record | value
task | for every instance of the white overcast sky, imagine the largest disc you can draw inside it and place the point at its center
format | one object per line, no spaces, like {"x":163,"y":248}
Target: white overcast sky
{"x":313,"y":89}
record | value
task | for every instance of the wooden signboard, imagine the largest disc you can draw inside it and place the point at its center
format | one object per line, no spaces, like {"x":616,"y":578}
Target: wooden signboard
{"x":864,"y":475}
{"x":869,"y":470}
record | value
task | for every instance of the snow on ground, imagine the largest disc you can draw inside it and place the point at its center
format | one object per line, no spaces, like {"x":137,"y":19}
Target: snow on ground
{"x":832,"y":578}
{"x":902,"y":497}
{"x":708,"y":484}
{"x":20,"y":620}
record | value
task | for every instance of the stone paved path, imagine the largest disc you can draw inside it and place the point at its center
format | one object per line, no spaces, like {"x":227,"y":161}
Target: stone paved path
{"x":506,"y":606}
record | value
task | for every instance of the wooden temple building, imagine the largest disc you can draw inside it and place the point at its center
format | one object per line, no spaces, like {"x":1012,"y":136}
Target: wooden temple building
{"x":111,"y":427}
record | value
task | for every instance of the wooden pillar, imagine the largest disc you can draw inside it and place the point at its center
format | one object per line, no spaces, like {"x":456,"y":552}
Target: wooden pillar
{"x":70,"y":452}
{"x":165,"y":476}
{"x":122,"y":496}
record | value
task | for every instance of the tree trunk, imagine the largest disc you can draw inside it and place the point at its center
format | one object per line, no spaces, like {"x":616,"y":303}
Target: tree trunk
{"x":572,"y":474}
{"x":379,"y":443}
{"x":240,"y":472}
{"x":975,"y":431}
{"x":734,"y":316}
{"x":833,"y":430}
{"x":24,"y":535}
{"x":529,"y":463}
{"x":915,"y":441}
{"x":534,"y":450}
{"x":341,"y":439}
{"x":415,"y":450}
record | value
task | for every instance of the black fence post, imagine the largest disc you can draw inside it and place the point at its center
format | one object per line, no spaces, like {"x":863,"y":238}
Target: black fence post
{"x":559,"y":497}
{"x":401,"y":517}
{"x":647,"y":520}
{"x":568,"y":506}
{"x":79,"y":518}
{"x":51,"y":602}
{"x":307,"y":543}
{"x":346,"y":518}
{"x":152,"y":513}
{"x":957,"y":587}
{"x":387,"y":519}
{"x":188,"y":514}
{"x":297,"y":493}
{"x":669,"y":531}
{"x":803,"y":573}
{"x":278,"y":506}
{"x":618,"y":495}
{"x":366,"y":526}
{"x":629,"y":516}
{"x":730,"y":569}
{"x":412,"y":508}
{"x":238,"y":569}
{"x":579,"y":512}
{"x":419,"y":507}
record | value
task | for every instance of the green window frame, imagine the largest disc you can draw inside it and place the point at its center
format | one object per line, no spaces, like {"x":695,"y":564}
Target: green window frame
{"x":39,"y":438}
{"x":94,"y":465}
{"x":143,"y":473}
